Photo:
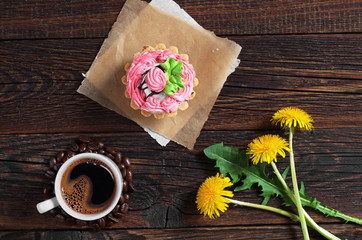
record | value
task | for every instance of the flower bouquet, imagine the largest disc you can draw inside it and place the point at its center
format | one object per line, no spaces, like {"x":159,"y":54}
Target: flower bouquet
{"x":234,"y":163}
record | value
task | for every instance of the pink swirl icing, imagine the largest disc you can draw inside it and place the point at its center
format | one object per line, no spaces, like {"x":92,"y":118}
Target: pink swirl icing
{"x":156,"y":79}
{"x":170,"y":103}
{"x":153,"y":104}
{"x":148,"y":61}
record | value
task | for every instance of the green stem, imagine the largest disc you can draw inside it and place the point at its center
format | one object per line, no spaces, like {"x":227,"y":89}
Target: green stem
{"x":313,"y":203}
{"x":321,"y":230}
{"x":281,"y":180}
{"x":264,"y":207}
{"x":310,"y":221}
{"x":295,"y":187}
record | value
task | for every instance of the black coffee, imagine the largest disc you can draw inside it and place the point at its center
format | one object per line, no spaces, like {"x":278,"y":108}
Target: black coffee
{"x":88,"y":186}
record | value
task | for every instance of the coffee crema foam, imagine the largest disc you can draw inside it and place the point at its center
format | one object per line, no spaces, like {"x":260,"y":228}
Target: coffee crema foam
{"x":78,"y":193}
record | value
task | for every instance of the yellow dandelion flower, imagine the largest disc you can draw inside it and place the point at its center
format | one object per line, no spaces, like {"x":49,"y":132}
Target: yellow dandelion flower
{"x":293,"y":117}
{"x":266,"y":148}
{"x":210,"y":196}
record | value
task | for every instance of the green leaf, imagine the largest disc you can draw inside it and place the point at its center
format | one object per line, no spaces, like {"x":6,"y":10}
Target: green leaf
{"x":235,"y":163}
{"x":285,"y":173}
{"x":314,"y":203}
{"x":265,"y":201}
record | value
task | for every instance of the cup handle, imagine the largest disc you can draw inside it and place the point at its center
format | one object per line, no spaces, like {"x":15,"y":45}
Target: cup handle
{"x":47,"y":205}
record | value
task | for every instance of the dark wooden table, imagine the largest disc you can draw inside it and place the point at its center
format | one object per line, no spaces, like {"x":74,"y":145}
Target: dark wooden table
{"x":295,"y":53}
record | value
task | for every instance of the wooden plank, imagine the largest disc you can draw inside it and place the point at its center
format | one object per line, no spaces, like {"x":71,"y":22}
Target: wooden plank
{"x":327,"y":162}
{"x":37,"y":148}
{"x":54,"y":19}
{"x":21,"y":192}
{"x":320,"y":57}
{"x":76,"y":19}
{"x":277,"y":232}
{"x":45,"y":74}
{"x":235,"y":109}
{"x":41,"y":114}
{"x":324,"y":56}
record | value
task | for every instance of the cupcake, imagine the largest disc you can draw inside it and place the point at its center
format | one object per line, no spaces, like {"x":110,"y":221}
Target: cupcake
{"x":160,"y":81}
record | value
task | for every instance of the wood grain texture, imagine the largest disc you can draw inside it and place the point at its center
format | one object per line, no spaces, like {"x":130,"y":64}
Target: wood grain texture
{"x":329,"y":57}
{"x":272,"y":232}
{"x":33,"y":19}
{"x":235,"y":109}
{"x":308,"y":71}
{"x":327,"y":162}
{"x":295,"y":53}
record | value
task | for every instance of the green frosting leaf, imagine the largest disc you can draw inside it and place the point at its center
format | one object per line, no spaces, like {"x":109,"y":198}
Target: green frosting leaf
{"x":173,"y":70}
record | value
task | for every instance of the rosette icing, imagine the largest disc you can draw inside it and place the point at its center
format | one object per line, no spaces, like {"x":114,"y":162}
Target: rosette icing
{"x":146,"y":80}
{"x":155,"y":79}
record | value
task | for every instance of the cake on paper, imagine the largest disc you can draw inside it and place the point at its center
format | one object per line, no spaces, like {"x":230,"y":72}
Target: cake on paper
{"x":115,"y":82}
{"x":160,"y":81}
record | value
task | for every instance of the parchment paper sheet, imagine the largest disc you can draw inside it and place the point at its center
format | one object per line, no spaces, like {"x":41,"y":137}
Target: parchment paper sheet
{"x":140,"y":24}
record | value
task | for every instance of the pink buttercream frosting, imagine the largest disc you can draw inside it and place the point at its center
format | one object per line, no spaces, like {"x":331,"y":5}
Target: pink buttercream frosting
{"x":156,"y":81}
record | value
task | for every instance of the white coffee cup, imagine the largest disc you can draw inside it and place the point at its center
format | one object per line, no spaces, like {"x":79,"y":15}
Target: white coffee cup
{"x":59,"y":201}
